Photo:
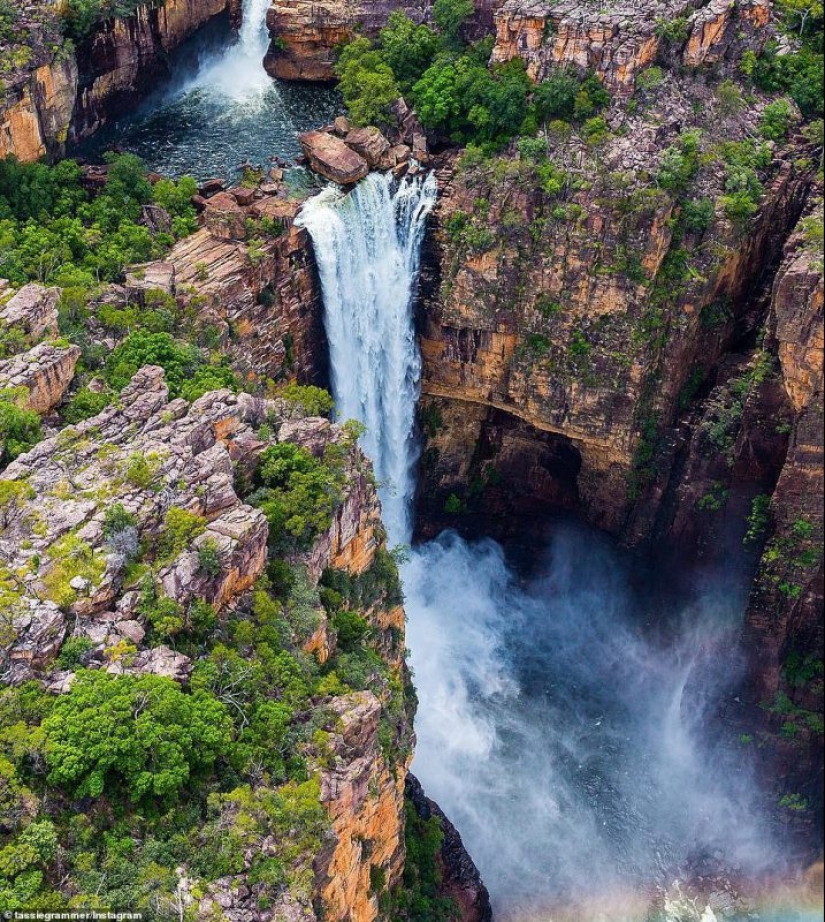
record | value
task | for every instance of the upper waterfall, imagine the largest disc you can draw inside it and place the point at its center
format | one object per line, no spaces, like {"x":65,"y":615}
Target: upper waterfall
{"x":367,"y":245}
{"x":238,"y":72}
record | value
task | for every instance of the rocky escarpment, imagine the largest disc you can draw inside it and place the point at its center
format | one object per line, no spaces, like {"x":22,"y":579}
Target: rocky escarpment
{"x":618,"y":40}
{"x":59,"y":92}
{"x":460,"y":881}
{"x":251,"y":274}
{"x":73,"y":580}
{"x":306,"y":35}
{"x":560,"y":331}
{"x":783,"y":628}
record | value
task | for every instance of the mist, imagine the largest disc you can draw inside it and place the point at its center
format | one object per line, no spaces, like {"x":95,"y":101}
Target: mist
{"x":566,"y":727}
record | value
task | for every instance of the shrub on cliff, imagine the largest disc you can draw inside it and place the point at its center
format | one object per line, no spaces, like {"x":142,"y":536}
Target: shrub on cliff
{"x":187,"y":372}
{"x":19,"y":427}
{"x":367,"y":83}
{"x":139,"y":736}
{"x":468,"y":102}
{"x":298,"y":494}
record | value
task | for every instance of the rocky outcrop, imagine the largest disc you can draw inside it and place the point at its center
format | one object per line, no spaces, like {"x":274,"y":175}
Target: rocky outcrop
{"x":45,"y":372}
{"x":618,"y":39}
{"x":364,"y":796}
{"x":68,"y":573}
{"x":258,"y":290}
{"x":32,"y":309}
{"x":333,"y":158}
{"x":559,"y":333}
{"x":461,"y":881}
{"x":306,"y":35}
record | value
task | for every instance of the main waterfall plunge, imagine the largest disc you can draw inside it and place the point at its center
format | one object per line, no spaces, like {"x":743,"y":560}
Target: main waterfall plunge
{"x":562,"y":735}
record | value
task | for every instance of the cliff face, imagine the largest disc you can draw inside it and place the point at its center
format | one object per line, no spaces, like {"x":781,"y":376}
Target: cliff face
{"x":123,"y":58}
{"x":618,"y":40}
{"x":783,"y":625}
{"x":257,"y":289}
{"x":562,"y":332}
{"x":62,"y":93}
{"x":37,"y":113}
{"x":307,"y":34}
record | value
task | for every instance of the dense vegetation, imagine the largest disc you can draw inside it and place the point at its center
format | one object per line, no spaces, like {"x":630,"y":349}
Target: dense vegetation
{"x":55,"y":230}
{"x":199,"y":777}
{"x":453,"y":89}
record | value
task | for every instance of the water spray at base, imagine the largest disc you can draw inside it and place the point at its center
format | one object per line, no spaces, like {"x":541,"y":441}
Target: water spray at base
{"x":238,"y":72}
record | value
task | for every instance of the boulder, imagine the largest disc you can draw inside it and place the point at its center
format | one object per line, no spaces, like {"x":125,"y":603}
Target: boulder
{"x":332,"y":158}
{"x":370,"y":144}
{"x":34,"y":308}
{"x":225,"y":218}
{"x":45,"y":372}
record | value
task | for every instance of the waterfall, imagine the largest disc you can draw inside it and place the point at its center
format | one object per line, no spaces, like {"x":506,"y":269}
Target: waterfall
{"x":238,"y":72}
{"x":367,"y":245}
{"x":555,"y":733}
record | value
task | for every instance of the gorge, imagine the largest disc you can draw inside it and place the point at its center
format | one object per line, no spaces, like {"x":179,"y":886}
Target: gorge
{"x":546,"y":343}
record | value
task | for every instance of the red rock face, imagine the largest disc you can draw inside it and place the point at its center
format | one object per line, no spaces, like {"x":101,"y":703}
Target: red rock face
{"x":306,"y":33}
{"x":619,"y":39}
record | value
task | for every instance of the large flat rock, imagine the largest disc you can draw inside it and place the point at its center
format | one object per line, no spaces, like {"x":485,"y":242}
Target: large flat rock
{"x":330,"y":156}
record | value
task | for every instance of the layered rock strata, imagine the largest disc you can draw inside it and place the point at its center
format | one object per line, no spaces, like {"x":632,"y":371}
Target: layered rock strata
{"x":618,"y":40}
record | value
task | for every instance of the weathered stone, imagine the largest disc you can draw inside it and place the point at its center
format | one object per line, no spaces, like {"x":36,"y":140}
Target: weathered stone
{"x":225,"y":219}
{"x":34,"y":309}
{"x":157,"y":220}
{"x":36,"y":630}
{"x":243,"y":196}
{"x":332,"y":158}
{"x":155,"y":276}
{"x":370,"y":144}
{"x":45,"y":372}
{"x":619,"y":39}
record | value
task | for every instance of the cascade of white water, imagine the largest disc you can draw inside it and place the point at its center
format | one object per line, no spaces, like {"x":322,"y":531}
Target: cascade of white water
{"x":367,"y":246}
{"x":238,"y":73}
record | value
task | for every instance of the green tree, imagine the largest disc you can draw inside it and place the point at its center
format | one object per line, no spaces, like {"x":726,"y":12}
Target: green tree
{"x":367,"y":83}
{"x":136,"y":735}
{"x":450,"y":16}
{"x":408,"y":49}
{"x":555,"y":97}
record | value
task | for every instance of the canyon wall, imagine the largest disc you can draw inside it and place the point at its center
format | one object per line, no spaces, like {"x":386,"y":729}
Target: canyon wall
{"x":620,"y":39}
{"x":560,"y":331}
{"x":306,"y":34}
{"x":65,"y":93}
